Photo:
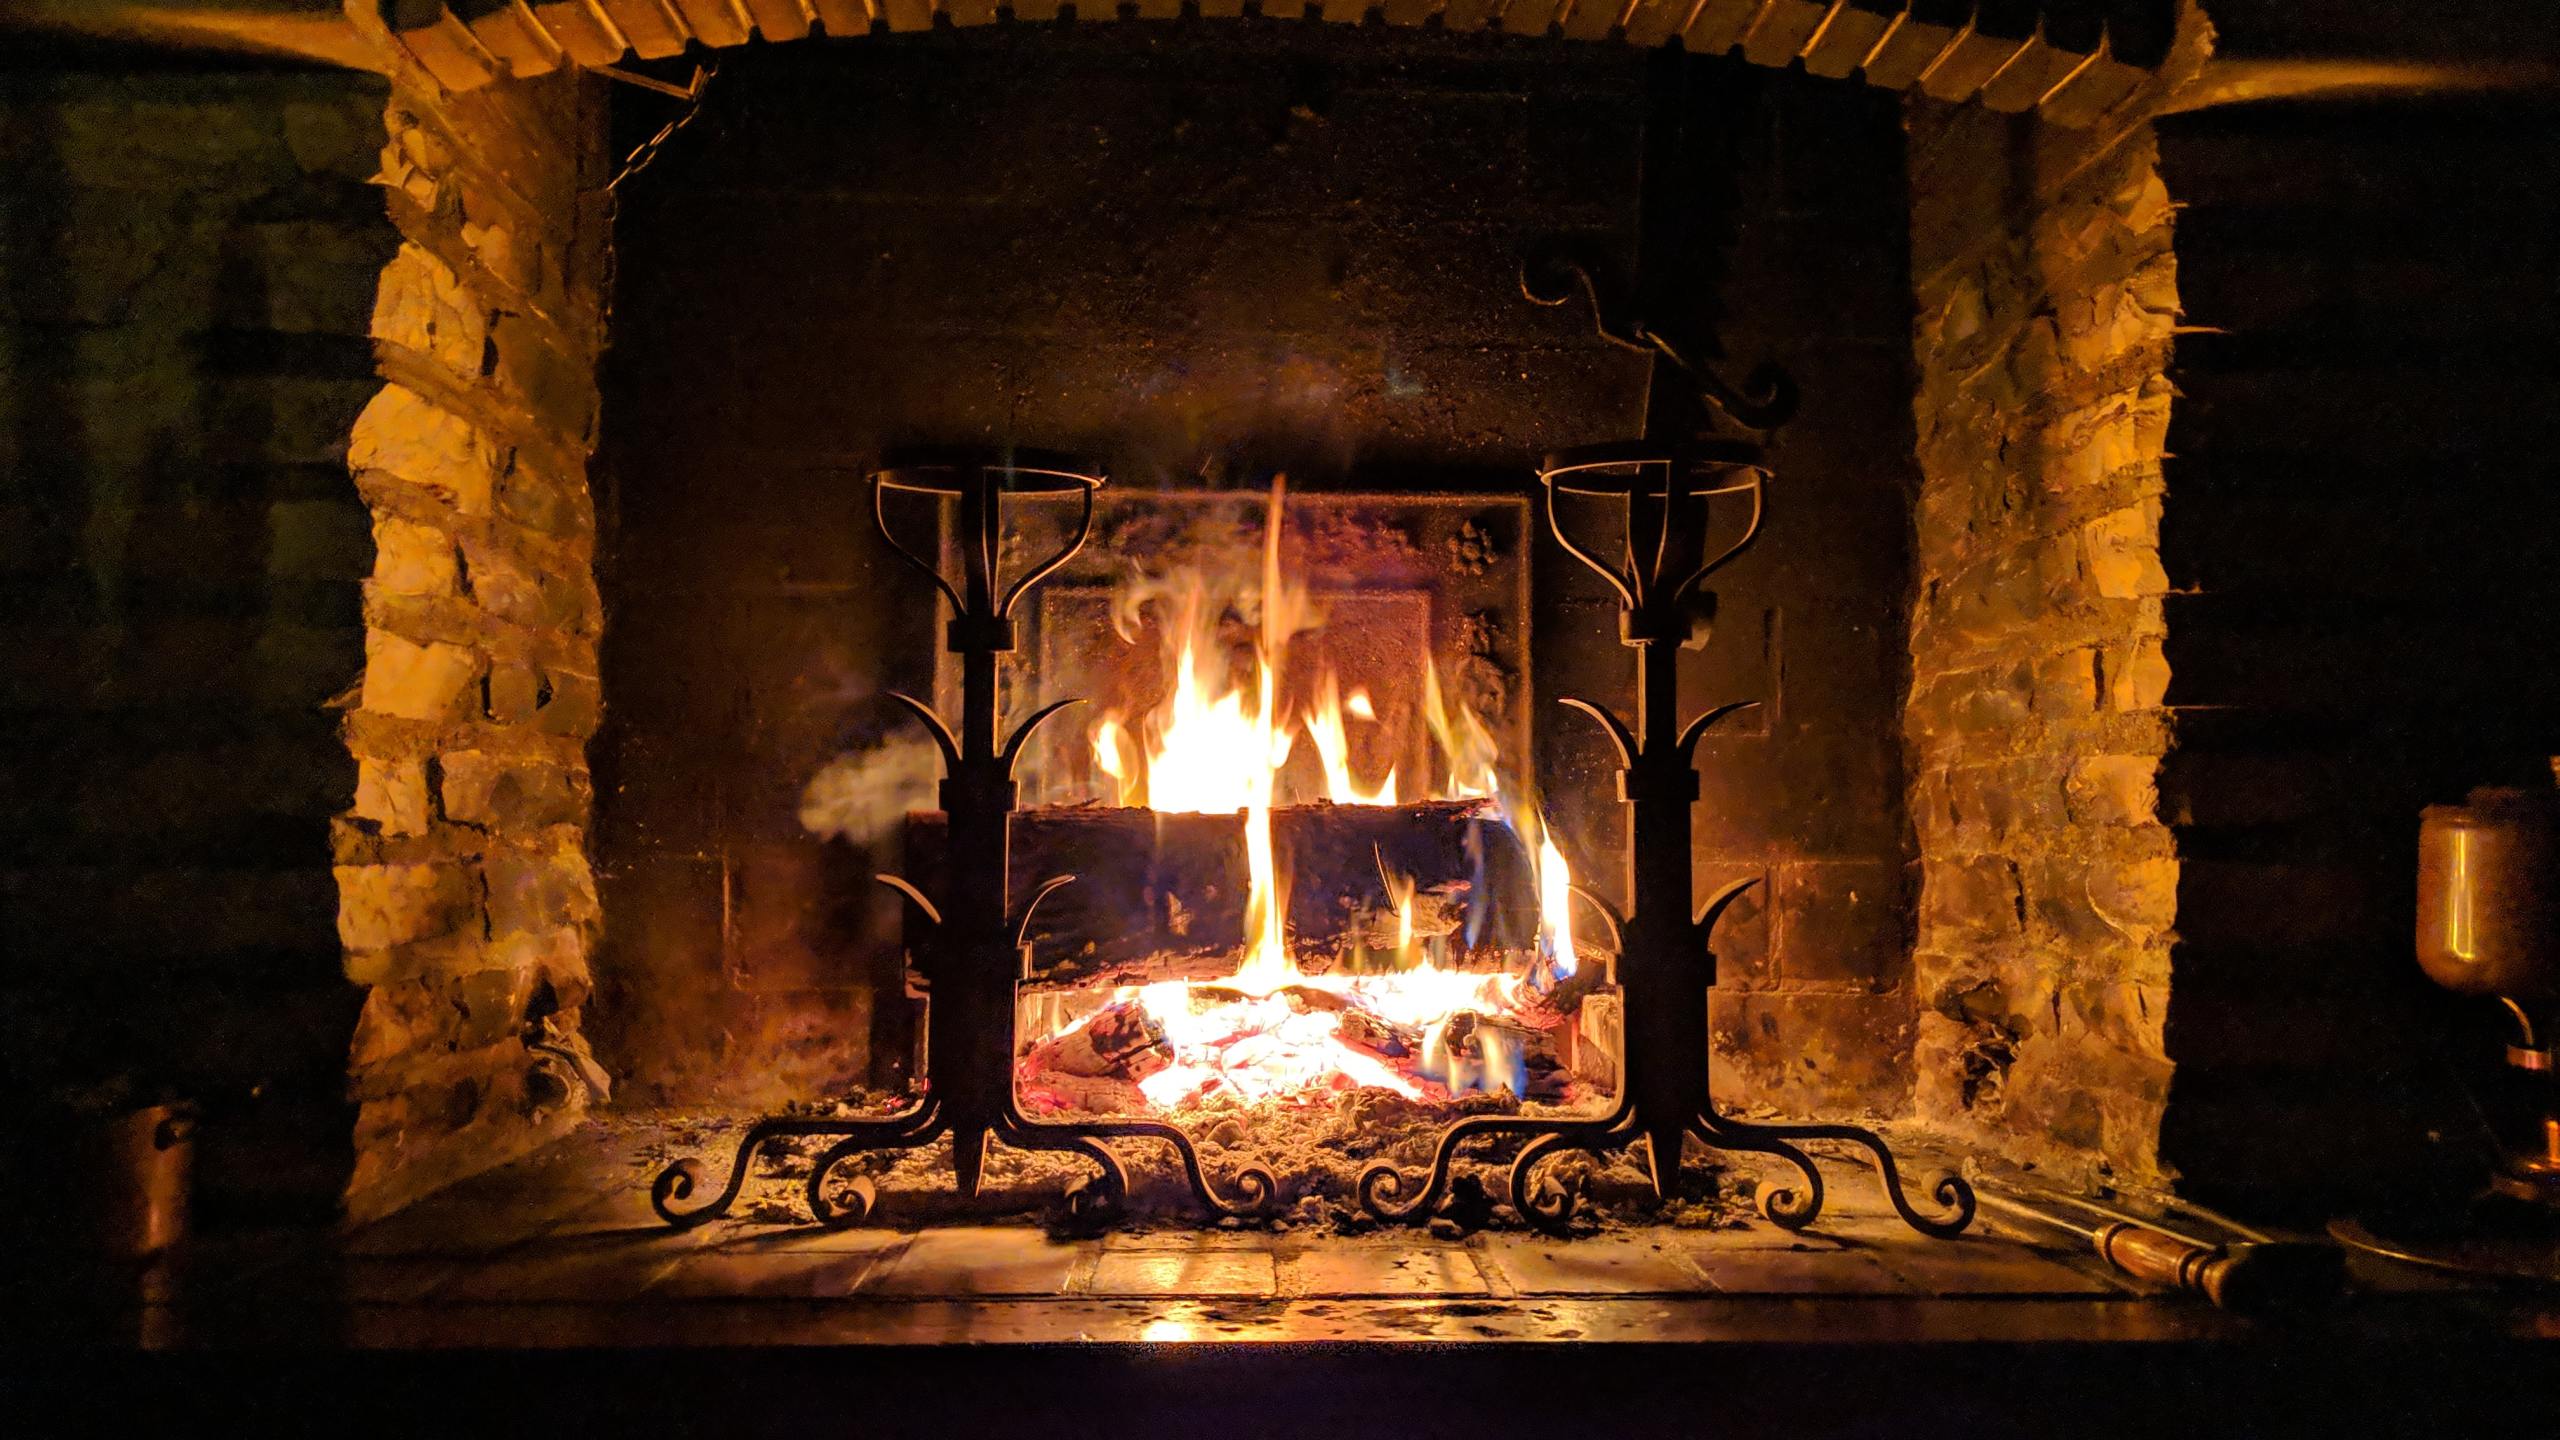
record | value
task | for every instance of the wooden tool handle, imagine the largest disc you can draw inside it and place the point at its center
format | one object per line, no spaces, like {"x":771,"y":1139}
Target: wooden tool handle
{"x":2147,"y":1254}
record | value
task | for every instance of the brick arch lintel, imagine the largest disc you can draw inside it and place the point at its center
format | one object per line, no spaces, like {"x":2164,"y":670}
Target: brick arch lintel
{"x":1949,"y":53}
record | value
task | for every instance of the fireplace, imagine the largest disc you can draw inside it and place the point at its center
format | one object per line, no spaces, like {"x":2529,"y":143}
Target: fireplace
{"x":1341,"y":341}
{"x":1375,"y":389}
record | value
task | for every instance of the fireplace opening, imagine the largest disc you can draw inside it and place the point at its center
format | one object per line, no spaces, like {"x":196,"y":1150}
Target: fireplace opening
{"x":1272,"y":279}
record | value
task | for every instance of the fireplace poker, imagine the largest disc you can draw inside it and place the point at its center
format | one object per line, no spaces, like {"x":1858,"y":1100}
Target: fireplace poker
{"x":2248,"y":1275}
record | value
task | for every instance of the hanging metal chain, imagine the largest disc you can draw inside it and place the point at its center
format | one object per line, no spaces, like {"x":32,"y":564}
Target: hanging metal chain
{"x":644,"y":155}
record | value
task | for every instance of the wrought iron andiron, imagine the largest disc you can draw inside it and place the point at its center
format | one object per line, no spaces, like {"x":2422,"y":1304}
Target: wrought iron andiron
{"x":974,"y":957}
{"x":1664,"y":962}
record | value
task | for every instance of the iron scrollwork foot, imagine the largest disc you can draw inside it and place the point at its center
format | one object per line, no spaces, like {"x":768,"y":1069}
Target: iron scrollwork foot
{"x":1786,"y":1206}
{"x":1383,"y":1191}
{"x":680,"y":1180}
{"x":860,"y":1192}
{"x":1392,"y":1197}
{"x":1551,"y":1204}
{"x":1092,"y":1199}
{"x":1259,"y":1185}
{"x":1949,"y":1190}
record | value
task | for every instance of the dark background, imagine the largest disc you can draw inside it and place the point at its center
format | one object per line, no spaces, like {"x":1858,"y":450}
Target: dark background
{"x":188,"y":258}
{"x":2360,"y":527}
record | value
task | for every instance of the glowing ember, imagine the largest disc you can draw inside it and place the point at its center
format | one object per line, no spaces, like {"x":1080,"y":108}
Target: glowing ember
{"x":1217,"y":743}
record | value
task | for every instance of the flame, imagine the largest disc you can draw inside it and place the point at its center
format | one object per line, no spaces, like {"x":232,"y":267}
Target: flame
{"x":1466,"y":746}
{"x":1110,"y":755}
{"x":1217,"y":744}
{"x":1556,"y":950}
{"x":1324,"y":726}
{"x":1267,"y":965}
{"x":1399,"y":894}
{"x":1275,"y":1045}
{"x":1555,"y":908}
{"x":1474,"y":761}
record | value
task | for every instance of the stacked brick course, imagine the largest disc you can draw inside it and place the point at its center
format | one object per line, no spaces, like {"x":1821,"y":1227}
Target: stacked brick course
{"x":2047,"y":299}
{"x":466,"y":902}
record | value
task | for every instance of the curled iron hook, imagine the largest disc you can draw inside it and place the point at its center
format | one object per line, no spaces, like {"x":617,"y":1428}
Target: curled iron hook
{"x":1699,"y":727}
{"x":1022,"y":733}
{"x":1619,"y":734}
{"x":1554,"y":272}
{"x":917,"y":897}
{"x":1022,"y":925}
{"x":933,"y":721}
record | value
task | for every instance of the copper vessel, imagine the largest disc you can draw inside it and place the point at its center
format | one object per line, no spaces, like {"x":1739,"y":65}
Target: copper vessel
{"x":2488,"y":904}
{"x":139,"y":1165}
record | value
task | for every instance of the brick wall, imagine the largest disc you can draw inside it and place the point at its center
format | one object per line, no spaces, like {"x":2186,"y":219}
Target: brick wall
{"x":465,"y":901}
{"x":2182,"y":684}
{"x":187,"y":257}
{"x":2047,"y":296}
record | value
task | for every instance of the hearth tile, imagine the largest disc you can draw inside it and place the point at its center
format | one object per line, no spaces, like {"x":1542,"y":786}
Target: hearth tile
{"x":621,"y":1211}
{"x":1797,"y":1272}
{"x":1758,"y":1234}
{"x":1978,"y":1265}
{"x":355,"y":1280}
{"x":983,"y":1260}
{"x":1880,"y":1231}
{"x":600,"y":1270}
{"x":1181,"y":1239}
{"x":1640,"y":1264}
{"x":760,"y":1217}
{"x":762,"y":1238}
{"x":1896,"y":1320}
{"x":462,"y":1223}
{"x":725,"y":1274}
{"x":1211,"y":1272}
{"x":1395,"y":1270}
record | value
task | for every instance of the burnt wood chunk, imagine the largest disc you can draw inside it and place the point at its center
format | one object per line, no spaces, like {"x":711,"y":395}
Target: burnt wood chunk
{"x":1121,"y":1041}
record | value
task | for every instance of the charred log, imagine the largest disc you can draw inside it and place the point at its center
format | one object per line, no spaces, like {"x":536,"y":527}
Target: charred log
{"x":1160,"y":896}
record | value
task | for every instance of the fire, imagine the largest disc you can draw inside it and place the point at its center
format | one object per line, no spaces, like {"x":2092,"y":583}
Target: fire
{"x":1333,"y":745}
{"x":1212,"y":747}
{"x":1217,"y":743}
{"x":1399,"y":889}
{"x":1267,"y":965}
{"x":1111,"y":756}
{"x":1555,"y":908}
{"x":1464,"y":743}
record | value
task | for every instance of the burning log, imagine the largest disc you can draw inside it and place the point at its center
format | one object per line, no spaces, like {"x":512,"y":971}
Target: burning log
{"x":1375,"y":1035}
{"x":1162,"y":895}
{"x":1594,"y":1039}
{"x":1121,"y":1041}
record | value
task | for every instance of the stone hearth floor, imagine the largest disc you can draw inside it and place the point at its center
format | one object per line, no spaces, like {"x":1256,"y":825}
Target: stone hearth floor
{"x":562,"y":1249}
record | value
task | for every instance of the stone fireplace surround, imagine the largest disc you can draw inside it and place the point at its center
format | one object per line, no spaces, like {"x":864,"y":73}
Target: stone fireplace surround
{"x":2048,"y":892}
{"x":2045,"y":884}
